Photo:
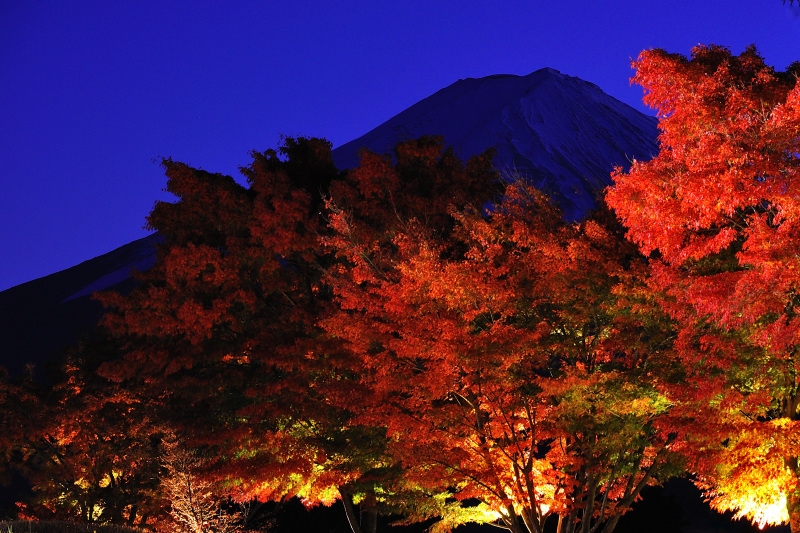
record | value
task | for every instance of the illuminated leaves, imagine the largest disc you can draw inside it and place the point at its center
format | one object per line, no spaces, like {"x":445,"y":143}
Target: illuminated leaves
{"x":221,"y":333}
{"x":88,"y":448}
{"x":435,"y":340}
{"x":500,"y":352}
{"x":717,"y":210}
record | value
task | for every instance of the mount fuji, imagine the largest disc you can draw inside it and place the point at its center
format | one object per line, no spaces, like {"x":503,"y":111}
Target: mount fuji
{"x":563,"y":133}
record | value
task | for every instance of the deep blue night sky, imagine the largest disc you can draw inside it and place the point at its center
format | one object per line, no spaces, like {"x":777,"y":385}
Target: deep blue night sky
{"x":92,"y":93}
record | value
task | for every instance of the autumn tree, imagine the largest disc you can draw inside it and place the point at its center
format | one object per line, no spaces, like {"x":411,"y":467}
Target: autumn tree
{"x":718,"y":212}
{"x":222,"y":334}
{"x":195,"y":506}
{"x":412,"y":352}
{"x":88,"y":449}
{"x":505,"y":351}
{"x":420,"y":180}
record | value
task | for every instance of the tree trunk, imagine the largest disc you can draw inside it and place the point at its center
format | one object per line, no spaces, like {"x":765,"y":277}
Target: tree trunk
{"x":612,"y":523}
{"x":132,"y":515}
{"x":369,"y":521}
{"x":531,"y":521}
{"x":793,"y":508}
{"x":566,"y":524}
{"x":347,"y":500}
{"x":588,"y":510}
{"x":513,"y":523}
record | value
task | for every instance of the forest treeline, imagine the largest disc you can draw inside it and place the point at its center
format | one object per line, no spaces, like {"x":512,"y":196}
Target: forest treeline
{"x":422,"y":338}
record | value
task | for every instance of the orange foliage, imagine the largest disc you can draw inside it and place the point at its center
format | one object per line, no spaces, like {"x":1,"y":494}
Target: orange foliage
{"x":221,"y":333}
{"x":717,"y":209}
{"x":502,"y":351}
{"x":435,"y":340}
{"x":88,"y":448}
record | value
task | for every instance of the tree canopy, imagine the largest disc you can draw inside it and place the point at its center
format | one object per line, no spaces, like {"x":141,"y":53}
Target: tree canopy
{"x":411,"y":335}
{"x":717,"y":211}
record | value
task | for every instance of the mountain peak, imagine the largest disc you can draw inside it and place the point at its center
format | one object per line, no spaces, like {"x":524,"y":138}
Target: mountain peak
{"x":563,"y":133}
{"x":540,"y":72}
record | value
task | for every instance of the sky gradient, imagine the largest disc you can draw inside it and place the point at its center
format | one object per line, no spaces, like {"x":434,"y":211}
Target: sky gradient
{"x":94,"y":94}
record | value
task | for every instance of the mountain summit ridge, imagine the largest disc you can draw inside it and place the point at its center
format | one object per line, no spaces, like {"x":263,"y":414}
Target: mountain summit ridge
{"x":563,"y":133}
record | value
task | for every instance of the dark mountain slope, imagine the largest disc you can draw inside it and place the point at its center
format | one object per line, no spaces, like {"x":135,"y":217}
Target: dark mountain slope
{"x":42,"y":316}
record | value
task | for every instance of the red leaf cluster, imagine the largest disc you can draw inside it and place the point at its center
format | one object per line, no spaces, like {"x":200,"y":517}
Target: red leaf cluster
{"x":717,"y":210}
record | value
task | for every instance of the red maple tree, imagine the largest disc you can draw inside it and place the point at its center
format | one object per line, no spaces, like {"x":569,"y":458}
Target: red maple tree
{"x":88,"y":448}
{"x":717,"y":210}
{"x":414,"y":352}
{"x":502,"y":350}
{"x":222,"y":334}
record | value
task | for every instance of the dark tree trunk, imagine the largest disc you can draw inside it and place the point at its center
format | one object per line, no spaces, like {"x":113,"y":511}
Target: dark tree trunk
{"x":369,"y":521}
{"x":347,"y":500}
